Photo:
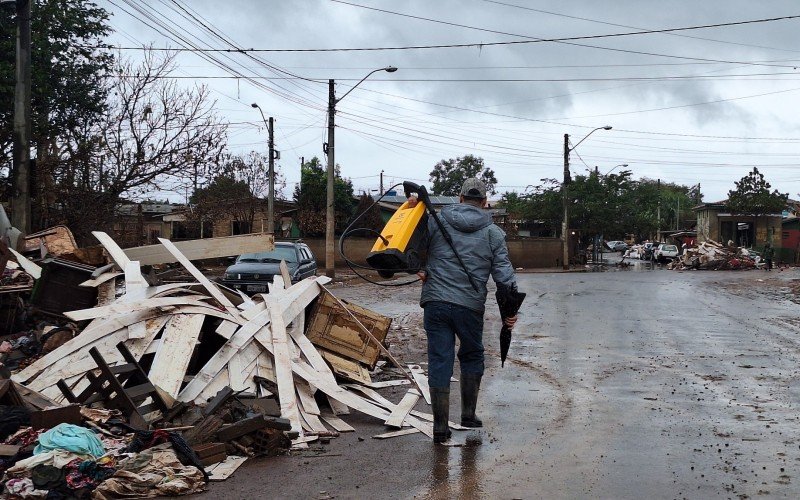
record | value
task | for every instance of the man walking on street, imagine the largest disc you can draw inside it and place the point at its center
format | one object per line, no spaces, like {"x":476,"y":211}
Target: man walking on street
{"x":769,"y":253}
{"x":454,"y":300}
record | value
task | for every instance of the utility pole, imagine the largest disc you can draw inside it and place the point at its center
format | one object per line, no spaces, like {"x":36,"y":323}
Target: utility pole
{"x":330,"y":149}
{"x":21,"y":198}
{"x":565,"y":203}
{"x":381,"y":190}
{"x":330,"y":270}
{"x":271,"y":200}
{"x":658,"y":213}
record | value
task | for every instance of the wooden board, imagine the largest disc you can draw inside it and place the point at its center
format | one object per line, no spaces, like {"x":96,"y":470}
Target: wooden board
{"x":283,"y":365}
{"x":346,"y":368}
{"x":207,"y":248}
{"x":401,"y":432}
{"x":337,"y":423}
{"x":27,"y":266}
{"x":225,"y":469}
{"x":200,"y":277}
{"x":116,"y":253}
{"x":388,"y":383}
{"x":333,"y":329}
{"x":421,"y":380}
{"x":119,"y":308}
{"x":400,"y":412}
{"x":177,"y":344}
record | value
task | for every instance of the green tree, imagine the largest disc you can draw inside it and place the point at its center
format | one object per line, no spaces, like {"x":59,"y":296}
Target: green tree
{"x":752,"y":196}
{"x":448,"y":175}
{"x":311,"y":195}
{"x":68,"y":71}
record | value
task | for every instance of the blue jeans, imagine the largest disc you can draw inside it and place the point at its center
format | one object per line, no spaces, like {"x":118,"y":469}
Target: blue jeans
{"x":443,"y":323}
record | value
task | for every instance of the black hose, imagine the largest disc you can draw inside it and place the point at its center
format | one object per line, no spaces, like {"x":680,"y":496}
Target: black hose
{"x":352,"y":265}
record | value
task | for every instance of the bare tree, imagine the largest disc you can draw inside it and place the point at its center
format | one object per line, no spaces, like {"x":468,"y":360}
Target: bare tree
{"x":238,"y":191}
{"x":157,"y":134}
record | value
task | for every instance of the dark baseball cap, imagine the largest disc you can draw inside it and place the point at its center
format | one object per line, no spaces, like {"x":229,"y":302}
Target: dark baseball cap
{"x":473,"y":188}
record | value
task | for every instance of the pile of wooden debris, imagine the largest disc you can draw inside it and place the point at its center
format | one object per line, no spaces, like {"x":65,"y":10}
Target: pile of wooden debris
{"x":715,"y":256}
{"x":228,"y":375}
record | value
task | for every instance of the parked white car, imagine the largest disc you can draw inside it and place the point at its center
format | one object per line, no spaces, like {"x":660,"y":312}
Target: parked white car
{"x":665,"y":252}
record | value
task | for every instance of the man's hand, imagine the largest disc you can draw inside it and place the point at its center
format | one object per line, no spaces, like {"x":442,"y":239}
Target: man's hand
{"x":423,"y":276}
{"x":413,"y":200}
{"x":510,"y":322}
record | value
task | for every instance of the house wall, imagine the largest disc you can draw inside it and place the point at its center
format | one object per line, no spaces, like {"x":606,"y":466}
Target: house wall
{"x":709,"y":227}
{"x":526,"y":253}
{"x":790,"y":243}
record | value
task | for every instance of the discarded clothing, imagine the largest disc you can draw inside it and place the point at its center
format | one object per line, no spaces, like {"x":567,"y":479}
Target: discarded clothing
{"x":152,"y":473}
{"x":23,"y":488}
{"x":72,"y":438}
{"x":57,"y":458}
{"x":143,"y":440}
{"x":47,"y":477}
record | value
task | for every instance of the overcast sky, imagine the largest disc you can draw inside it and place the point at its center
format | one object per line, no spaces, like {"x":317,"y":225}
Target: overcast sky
{"x":700,"y":106}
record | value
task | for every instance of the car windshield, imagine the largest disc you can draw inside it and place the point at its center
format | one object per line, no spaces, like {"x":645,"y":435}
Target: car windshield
{"x":280,"y":253}
{"x":670,"y":248}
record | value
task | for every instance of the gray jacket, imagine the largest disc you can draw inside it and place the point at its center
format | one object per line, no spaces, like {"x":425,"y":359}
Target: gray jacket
{"x":482,"y":248}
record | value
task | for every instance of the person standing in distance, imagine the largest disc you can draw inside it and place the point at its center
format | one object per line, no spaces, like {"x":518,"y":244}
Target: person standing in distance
{"x":453,"y":307}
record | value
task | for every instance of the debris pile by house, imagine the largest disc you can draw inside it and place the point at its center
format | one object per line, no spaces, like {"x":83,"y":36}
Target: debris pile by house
{"x":715,"y":256}
{"x":124,"y":386}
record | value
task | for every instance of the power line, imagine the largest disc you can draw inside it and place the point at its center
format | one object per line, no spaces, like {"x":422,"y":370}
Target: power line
{"x":740,"y":44}
{"x":527,"y":40}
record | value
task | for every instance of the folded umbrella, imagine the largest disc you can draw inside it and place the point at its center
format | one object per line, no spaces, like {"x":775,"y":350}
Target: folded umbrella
{"x":509,"y":300}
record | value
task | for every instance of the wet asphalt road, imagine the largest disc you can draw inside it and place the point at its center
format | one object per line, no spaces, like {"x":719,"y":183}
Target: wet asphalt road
{"x":656,"y":384}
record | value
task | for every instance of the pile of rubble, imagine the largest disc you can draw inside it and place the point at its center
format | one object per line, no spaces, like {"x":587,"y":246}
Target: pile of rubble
{"x":715,"y":256}
{"x":156,"y":388}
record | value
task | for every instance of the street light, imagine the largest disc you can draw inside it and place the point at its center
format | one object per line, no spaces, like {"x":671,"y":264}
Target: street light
{"x":271,"y":145}
{"x":565,"y":197}
{"x":623,"y":165}
{"x":330,"y":149}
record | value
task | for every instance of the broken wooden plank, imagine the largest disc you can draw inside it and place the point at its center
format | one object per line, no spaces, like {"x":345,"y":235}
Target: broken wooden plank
{"x":401,"y":432}
{"x":283,"y":365}
{"x":207,"y":284}
{"x":207,"y":248}
{"x":226,"y":329}
{"x":337,"y":423}
{"x":346,"y":368}
{"x":177,"y":344}
{"x":400,"y":412}
{"x":388,"y":383}
{"x":287,"y":277}
{"x":114,"y":251}
{"x":26,"y":265}
{"x":421,"y":381}
{"x":119,"y":308}
{"x":226,"y":468}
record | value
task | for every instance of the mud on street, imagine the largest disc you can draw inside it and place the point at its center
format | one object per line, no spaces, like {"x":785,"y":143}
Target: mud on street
{"x":620,"y":385}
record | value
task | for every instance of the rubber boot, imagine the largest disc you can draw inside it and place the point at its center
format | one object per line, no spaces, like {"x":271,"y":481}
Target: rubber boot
{"x":440,"y":401}
{"x":470,"y":384}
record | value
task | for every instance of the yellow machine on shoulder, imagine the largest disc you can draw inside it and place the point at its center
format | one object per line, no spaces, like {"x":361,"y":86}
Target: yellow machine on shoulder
{"x":397,"y":247}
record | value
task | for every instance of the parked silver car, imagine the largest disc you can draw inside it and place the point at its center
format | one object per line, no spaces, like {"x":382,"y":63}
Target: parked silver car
{"x":665,"y":252}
